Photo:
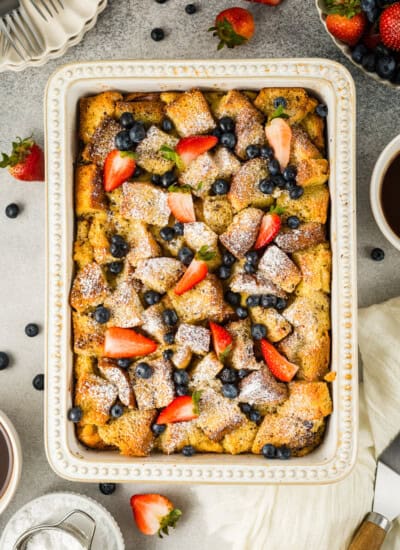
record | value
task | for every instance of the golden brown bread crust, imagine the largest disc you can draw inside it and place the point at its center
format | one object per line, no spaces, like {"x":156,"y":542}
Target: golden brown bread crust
{"x":130,"y":433}
{"x":245,"y":189}
{"x":191,"y":114}
{"x":299,"y":104}
{"x":90,"y":197}
{"x":93,"y":110}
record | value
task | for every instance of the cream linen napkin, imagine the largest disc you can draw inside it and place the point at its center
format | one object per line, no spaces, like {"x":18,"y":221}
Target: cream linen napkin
{"x":325,"y":517}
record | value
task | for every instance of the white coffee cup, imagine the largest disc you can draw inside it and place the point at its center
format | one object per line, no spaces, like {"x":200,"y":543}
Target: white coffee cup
{"x":15,"y":456}
{"x":382,"y":164}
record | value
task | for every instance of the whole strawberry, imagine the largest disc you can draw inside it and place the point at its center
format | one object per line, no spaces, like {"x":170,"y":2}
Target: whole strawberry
{"x":26,"y":162}
{"x":345,"y":20}
{"x":389,"y":27}
{"x":267,"y":2}
{"x":234,"y":27}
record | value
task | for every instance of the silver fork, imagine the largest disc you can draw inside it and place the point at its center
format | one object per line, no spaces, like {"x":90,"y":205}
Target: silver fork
{"x":19,"y":30}
{"x":52,"y":7}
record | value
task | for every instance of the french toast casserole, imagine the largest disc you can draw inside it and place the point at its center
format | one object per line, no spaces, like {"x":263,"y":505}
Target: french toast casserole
{"x":200,"y":300}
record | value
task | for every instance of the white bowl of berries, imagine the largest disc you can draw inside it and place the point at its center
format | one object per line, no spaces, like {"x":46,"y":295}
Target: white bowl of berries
{"x":368,"y":33}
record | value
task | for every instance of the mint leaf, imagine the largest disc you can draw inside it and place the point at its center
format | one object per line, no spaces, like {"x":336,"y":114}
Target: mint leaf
{"x":279,"y":113}
{"x":170,"y":154}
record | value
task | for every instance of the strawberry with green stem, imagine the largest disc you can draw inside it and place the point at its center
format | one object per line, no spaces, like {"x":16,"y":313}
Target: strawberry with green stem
{"x":154,"y":513}
{"x":345,"y":20}
{"x":233,"y":27}
{"x":26,"y":162}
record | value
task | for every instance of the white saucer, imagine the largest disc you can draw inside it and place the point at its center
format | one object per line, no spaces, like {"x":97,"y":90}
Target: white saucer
{"x":108,"y":534}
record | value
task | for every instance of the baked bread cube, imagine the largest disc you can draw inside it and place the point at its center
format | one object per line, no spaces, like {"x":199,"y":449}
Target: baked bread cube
{"x":245,"y":189}
{"x":233,"y":103}
{"x":242,"y":233}
{"x":308,"y":400}
{"x":204,"y":373}
{"x":120,"y":378}
{"x":89,"y":436}
{"x":179,"y":434}
{"x":148,"y":112}
{"x":90,"y":288}
{"x":261,"y":389}
{"x":98,"y":236}
{"x":182,"y":357}
{"x":226,"y":162}
{"x":153,"y":322}
{"x":255,"y":284}
{"x":198,"y":234}
{"x":89,"y":191}
{"x":312,"y":169}
{"x":217,"y":213}
{"x":93,"y":110}
{"x":309,"y":354}
{"x":191,"y":114}
{"x":315,"y":265}
{"x":142,"y":96}
{"x":158,"y":390}
{"x":305,"y":236}
{"x":298,"y":102}
{"x":200,"y":174}
{"x":277,"y":326}
{"x":249,"y":131}
{"x":88,"y":335}
{"x":279,"y":268}
{"x":314,"y":126}
{"x":311,"y":207}
{"x":302,"y":147}
{"x":242,"y":354}
{"x":83,"y":251}
{"x":218,"y":415}
{"x":125,"y":306}
{"x":142,"y":244}
{"x":309,"y":313}
{"x":169,"y":97}
{"x":159,"y":274}
{"x":95,"y":396}
{"x":130,"y":433}
{"x":145,"y":203}
{"x":102,"y":142}
{"x":84,"y":365}
{"x":149,"y":155}
{"x":241,"y":439}
{"x":196,"y":338}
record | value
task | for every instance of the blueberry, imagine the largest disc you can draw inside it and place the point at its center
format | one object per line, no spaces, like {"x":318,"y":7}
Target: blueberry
{"x":168,"y":179}
{"x":220,"y":187}
{"x":242,"y":373}
{"x":245,"y":408}
{"x":253,"y":301}
{"x":12,"y":210}
{"x":268,"y":300}
{"x":166,"y":125}
{"x":369,"y":62}
{"x":249,"y":268}
{"x":293,"y":222}
{"x":228,"y":376}
{"x":266,"y":186}
{"x":122,"y":141}
{"x":386,"y":66}
{"x":296,"y":192}
{"x":190,"y":9}
{"x":75,"y":414}
{"x":281,"y":303}
{"x":4,"y":360}
{"x":31,"y":330}
{"x":322,"y":110}
{"x":267,"y":152}
{"x":107,"y":488}
{"x":137,"y":133}
{"x":252,"y":257}
{"x":117,"y":410}
{"x":167,"y":233}
{"x":102,"y":315}
{"x":167,"y":354}
{"x":255,"y":416}
{"x":161,"y":1}
{"x":226,"y":124}
{"x":289,"y":185}
{"x":274,"y":167}
{"x":228,"y":139}
{"x":181,"y":389}
{"x":188,"y":450}
{"x":367,"y":5}
{"x":170,"y":317}
{"x":158,"y":429}
{"x":241,"y":312}
{"x":38,"y":382}
{"x":124,"y":363}
{"x":290,"y":173}
{"x":119,"y":247}
{"x":283,"y":453}
{"x":157,"y":34}
{"x":279,"y":181}
{"x":126,"y":120}
{"x":138,"y":172}
{"x":377,"y":254}
{"x":151,"y":297}
{"x":230,"y":391}
{"x":358,"y":53}
{"x":372,"y":15}
{"x":233,"y":298}
{"x":252,"y":151}
{"x":382,"y":50}
{"x":269,"y":451}
{"x":185,"y":255}
{"x":258,"y":331}
{"x":169,"y":337}
{"x":181,"y":377}
{"x":156,"y":179}
{"x":280,"y":101}
{"x":224,"y":272}
{"x":179,"y":229}
{"x":228,"y":258}
{"x":143,"y":370}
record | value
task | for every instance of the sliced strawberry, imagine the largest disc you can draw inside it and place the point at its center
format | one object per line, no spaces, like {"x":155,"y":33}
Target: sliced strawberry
{"x":279,"y":135}
{"x":196,"y":272}
{"x":280,"y":367}
{"x":125,"y":342}
{"x":26,"y":162}
{"x":181,"y":205}
{"x":270,"y":227}
{"x":191,"y":147}
{"x":222,"y":340}
{"x":154,"y":514}
{"x":181,"y":409}
{"x":118,"y":167}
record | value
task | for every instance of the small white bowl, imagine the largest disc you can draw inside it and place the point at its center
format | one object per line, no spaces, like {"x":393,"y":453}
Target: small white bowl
{"x":382,"y":164}
{"x":13,"y":438}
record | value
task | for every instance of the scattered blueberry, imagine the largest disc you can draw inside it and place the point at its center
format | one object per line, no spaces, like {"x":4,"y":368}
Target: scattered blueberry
{"x":4,"y":360}
{"x":358,"y":53}
{"x":138,"y":172}
{"x":179,"y":229}
{"x":188,"y":450}
{"x":127,"y":120}
{"x":31,"y":330}
{"x":75,"y":414}
{"x":377,"y":254}
{"x":12,"y":210}
{"x":279,"y":181}
{"x":296,"y":192}
{"x":168,"y":179}
{"x":255,"y":416}
{"x":269,"y":451}
{"x":289,"y":185}
{"x":124,"y":363}
{"x":267,"y":152}
{"x":137,"y":133}
{"x":102,"y":315}
{"x":386,"y":66}
{"x":166,"y":125}
{"x":190,"y":9}
{"x":233,"y":298}
{"x":157,"y":34}
{"x":249,"y":268}
{"x":122,"y":141}
{"x":226,"y":124}
{"x":143,"y":370}
{"x":181,"y":389}
{"x":230,"y":391}
{"x":253,"y":151}
{"x":280,"y":101}
{"x":158,"y":429}
{"x":220,"y":187}
{"x":167,"y":233}
{"x":274,"y":167}
{"x":217,"y":132}
{"x":293,"y":222}
{"x":185,"y":255}
{"x":281,"y":304}
{"x":151,"y":297}
{"x":169,"y":338}
{"x":170,"y":317}
{"x":224,"y":272}
{"x":38,"y":382}
{"x":290,"y":173}
{"x":258,"y":331}
{"x":107,"y":488}
{"x":156,"y":179}
{"x":228,"y":258}
{"x":117,"y":410}
{"x":119,"y":247}
{"x":228,"y":376}
{"x":181,"y":377}
{"x":241,"y":312}
{"x":252,"y":257}
{"x":369,"y":62}
{"x":253,"y":301}
{"x":382,"y":50}
{"x":242,"y":373}
{"x":266,"y":186}
{"x":283,"y":453}
{"x":228,"y":139}
{"x":161,"y":1}
{"x":245,"y":408}
{"x":167,"y":354}
{"x":322,"y":110}
{"x":268,"y":300}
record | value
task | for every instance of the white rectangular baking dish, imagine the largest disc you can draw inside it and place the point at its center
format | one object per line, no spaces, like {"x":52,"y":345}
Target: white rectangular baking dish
{"x":333,"y":84}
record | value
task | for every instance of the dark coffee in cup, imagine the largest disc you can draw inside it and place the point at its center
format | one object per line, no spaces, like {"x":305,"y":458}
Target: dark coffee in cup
{"x":390,"y":195}
{"x":5,"y":461}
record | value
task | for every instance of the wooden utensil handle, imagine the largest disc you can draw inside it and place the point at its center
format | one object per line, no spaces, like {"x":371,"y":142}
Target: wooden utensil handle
{"x":371,"y":533}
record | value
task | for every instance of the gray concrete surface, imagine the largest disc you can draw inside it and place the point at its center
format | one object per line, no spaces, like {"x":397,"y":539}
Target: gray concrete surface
{"x":123,"y":31}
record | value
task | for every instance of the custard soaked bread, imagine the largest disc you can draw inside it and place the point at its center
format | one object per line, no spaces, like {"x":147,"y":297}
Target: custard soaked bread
{"x":201,"y":309}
